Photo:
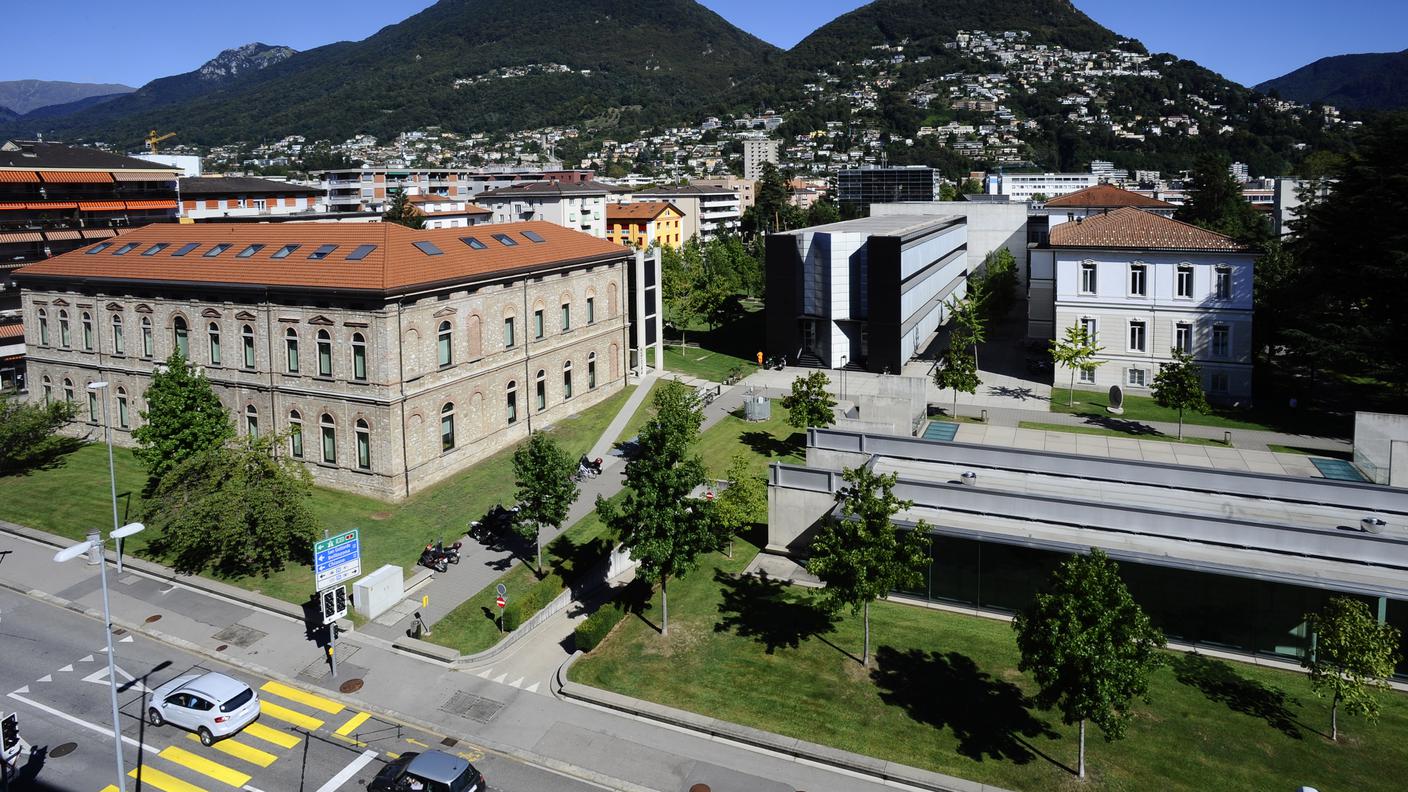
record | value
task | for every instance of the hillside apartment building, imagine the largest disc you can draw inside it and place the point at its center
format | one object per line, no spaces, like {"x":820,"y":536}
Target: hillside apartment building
{"x":645,"y":224}
{"x":370,"y":189}
{"x":580,"y":207}
{"x":709,"y":212}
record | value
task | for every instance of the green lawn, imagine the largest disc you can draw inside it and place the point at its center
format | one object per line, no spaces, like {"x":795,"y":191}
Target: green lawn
{"x":1096,"y":430}
{"x":944,"y":693}
{"x":1144,"y":408}
{"x":764,"y":441}
{"x":705,"y":364}
{"x":72,"y":497}
{"x":713,"y":352}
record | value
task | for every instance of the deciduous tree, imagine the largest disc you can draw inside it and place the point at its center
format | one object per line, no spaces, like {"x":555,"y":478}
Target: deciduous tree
{"x":956,"y":368}
{"x":1076,"y":351}
{"x":546,"y":491}
{"x":1351,"y":657}
{"x":183,"y":418}
{"x":1179,"y":384}
{"x":1088,"y":646}
{"x":27,"y":431}
{"x":810,"y":404}
{"x":742,"y":503}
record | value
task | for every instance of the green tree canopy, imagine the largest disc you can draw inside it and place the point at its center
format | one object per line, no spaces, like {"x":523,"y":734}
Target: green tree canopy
{"x":742,"y":503}
{"x":1179,"y":384}
{"x":1352,"y":656}
{"x":403,"y":212}
{"x":957,"y":368}
{"x":546,"y":491}
{"x":1089,"y":646}
{"x":27,"y":430}
{"x":1215,"y":202}
{"x":810,"y":404}
{"x":183,"y":418}
{"x":862,"y":556}
{"x":234,"y":509}
{"x":1076,"y":351}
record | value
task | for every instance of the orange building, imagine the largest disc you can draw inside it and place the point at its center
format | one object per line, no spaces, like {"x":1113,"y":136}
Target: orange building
{"x":644,"y":224}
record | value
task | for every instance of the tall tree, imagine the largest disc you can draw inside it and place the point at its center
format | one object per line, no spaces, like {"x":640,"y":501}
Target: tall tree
{"x":403,"y":212}
{"x":27,"y":431}
{"x":810,"y":404}
{"x":657,"y":520}
{"x":968,"y":318}
{"x":183,"y":418}
{"x":546,"y":490}
{"x":998,"y":283}
{"x":1179,"y":384}
{"x":1352,"y":656}
{"x":234,"y":509}
{"x":1215,"y":202}
{"x":956,"y":368}
{"x":742,"y":503}
{"x":1076,"y":352}
{"x":822,"y":212}
{"x":1089,"y":646}
{"x":861,"y":555}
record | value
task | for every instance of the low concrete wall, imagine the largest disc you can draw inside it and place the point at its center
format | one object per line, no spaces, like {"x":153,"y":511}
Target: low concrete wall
{"x":1374,"y":437}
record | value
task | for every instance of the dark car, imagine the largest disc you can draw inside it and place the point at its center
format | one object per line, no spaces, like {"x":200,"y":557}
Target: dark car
{"x":432,"y":771}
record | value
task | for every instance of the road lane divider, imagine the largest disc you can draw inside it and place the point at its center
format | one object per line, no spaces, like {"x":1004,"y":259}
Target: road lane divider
{"x":302,"y":697}
{"x":206,"y":767}
{"x":241,"y":751}
{"x":270,"y":735}
{"x":289,"y":716}
{"x":345,"y":774}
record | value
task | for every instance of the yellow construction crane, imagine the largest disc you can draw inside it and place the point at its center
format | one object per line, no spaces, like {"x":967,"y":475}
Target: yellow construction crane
{"x":153,"y":138}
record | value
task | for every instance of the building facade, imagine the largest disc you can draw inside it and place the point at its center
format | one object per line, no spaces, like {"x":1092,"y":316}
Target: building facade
{"x":1023,"y":186}
{"x":757,"y":151}
{"x":858,"y":188}
{"x":709,"y":212}
{"x":207,"y":197}
{"x":1143,"y":284}
{"x":443,"y":211}
{"x":645,"y":224}
{"x":580,"y":207}
{"x":370,"y":189}
{"x":745,"y":188}
{"x":386,"y":358}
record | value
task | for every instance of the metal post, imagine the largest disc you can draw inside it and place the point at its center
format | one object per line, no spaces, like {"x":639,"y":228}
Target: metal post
{"x":112,"y":674}
{"x":332,"y":647}
{"x":112,"y":476}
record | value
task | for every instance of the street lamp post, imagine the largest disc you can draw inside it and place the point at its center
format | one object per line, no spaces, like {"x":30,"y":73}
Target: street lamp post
{"x":75,"y":551}
{"x":112,"y":474}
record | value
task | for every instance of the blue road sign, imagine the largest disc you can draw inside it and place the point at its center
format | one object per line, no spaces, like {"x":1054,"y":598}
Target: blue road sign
{"x":337,"y":558}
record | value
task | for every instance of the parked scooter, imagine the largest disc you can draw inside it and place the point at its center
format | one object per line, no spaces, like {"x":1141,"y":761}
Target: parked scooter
{"x":495,"y":522}
{"x":451,"y":553}
{"x":430,"y":559}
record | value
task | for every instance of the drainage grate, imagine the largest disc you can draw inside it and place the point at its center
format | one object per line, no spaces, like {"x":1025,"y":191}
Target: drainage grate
{"x":475,"y":708}
{"x":239,"y":635}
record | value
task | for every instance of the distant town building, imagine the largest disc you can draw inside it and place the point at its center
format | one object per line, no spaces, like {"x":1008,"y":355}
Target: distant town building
{"x":1022,"y":186}
{"x":858,"y":188}
{"x":442,"y":211}
{"x":709,"y":212}
{"x":372,"y":189}
{"x":645,"y":224}
{"x":206,"y":197}
{"x":580,"y":207}
{"x":756,"y":151}
{"x":1239,"y":171}
{"x":744,"y":187}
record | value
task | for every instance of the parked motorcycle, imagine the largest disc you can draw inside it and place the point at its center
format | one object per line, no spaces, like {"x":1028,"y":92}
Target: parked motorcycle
{"x":451,"y":553}
{"x":430,"y":559}
{"x":495,"y":522}
{"x":776,"y":363}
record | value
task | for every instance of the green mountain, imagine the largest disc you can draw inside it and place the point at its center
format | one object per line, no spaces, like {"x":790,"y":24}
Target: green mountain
{"x":465,"y":65}
{"x":23,"y":96}
{"x":1369,"y":81}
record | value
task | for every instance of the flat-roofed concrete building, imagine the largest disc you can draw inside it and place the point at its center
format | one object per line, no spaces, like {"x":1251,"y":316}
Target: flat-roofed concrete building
{"x":392,"y":357}
{"x":207,"y":197}
{"x":578,"y":206}
{"x":858,"y":188}
{"x":1222,"y":559}
{"x":709,"y":212}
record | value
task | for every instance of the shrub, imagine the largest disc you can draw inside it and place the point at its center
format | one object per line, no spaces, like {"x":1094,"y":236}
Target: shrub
{"x":596,"y":626}
{"x":525,"y":605}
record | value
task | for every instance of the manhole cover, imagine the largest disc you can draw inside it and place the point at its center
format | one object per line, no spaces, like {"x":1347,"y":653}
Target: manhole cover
{"x":239,"y":635}
{"x":468,"y":705}
{"x":449,"y":742}
{"x":119,"y":631}
{"x":62,"y":749}
{"x":153,"y":617}
{"x":222,"y":647}
{"x":699,"y":788}
{"x":350,"y":686}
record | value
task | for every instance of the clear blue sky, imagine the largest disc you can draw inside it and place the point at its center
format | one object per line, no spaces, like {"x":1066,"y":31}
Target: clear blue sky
{"x":104,"y":41}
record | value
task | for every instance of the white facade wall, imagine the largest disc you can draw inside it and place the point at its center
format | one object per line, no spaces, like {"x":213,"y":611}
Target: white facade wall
{"x":585,"y":213}
{"x":1022,"y":186}
{"x":249,"y":206}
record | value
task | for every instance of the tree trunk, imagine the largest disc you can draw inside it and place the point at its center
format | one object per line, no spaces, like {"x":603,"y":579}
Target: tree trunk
{"x":865,"y":652}
{"x":1071,"y":394}
{"x":538,"y":541}
{"x":955,"y":402}
{"x":1335,"y":719}
{"x":1080,"y":761}
{"x":1180,"y":423}
{"x":664,"y":607}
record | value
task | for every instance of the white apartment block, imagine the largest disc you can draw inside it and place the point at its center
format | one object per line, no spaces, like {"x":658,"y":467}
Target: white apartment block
{"x":1022,"y":186}
{"x":442,"y":211}
{"x":756,"y":151}
{"x":209,"y":197}
{"x":580,"y":207}
{"x":709,"y":212}
{"x":371,"y":189}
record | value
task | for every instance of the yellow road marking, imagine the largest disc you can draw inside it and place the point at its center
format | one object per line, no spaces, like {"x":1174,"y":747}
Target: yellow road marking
{"x":109,"y":788}
{"x":353,"y":722}
{"x":152,"y":777}
{"x":241,"y":751}
{"x":414,"y":741}
{"x":302,"y":697}
{"x":204,"y":766}
{"x":470,"y":756}
{"x":289,"y":716}
{"x":280,"y":738}
{"x":350,"y":741}
{"x":391,"y":754}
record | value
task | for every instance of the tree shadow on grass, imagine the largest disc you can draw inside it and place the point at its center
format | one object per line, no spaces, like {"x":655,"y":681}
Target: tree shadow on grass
{"x":770,"y":447}
{"x":1221,"y":683}
{"x":991,"y":719}
{"x":52,"y":453}
{"x":759,"y":607}
{"x":1120,"y":425}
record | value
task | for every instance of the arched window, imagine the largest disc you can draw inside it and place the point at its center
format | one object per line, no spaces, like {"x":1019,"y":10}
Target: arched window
{"x":541,"y":388}
{"x":147,"y":350}
{"x":213,"y":332}
{"x":247,"y":342}
{"x":68,"y":390}
{"x":291,"y":350}
{"x":567,"y":380}
{"x":447,"y":427}
{"x":295,"y":434}
{"x":443,"y":345}
{"x":591,"y":308}
{"x":329,"y":439}
{"x":324,"y":354}
{"x":92,"y":405}
{"x":63,"y":329}
{"x":119,"y":344}
{"x":43,"y":327}
{"x":122,"y":419}
{"x":512,"y":401}
{"x":87,"y":332}
{"x":251,"y":421}
{"x":48,"y":388}
{"x":179,"y":337}
{"x":591,"y":370}
{"x":364,"y":445}
{"x":359,"y":357}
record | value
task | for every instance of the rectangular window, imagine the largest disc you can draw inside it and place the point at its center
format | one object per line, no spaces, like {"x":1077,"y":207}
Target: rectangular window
{"x":591,"y":373}
{"x":284,"y":251}
{"x":1224,"y":283}
{"x":512,"y":406}
{"x":1136,"y":378}
{"x":122,"y":420}
{"x":505,"y":240}
{"x":538,"y":323}
{"x":295,"y":440}
{"x":1089,"y":325}
{"x":566,"y":317}
{"x":321,"y":252}
{"x":1138,"y":277}
{"x":249,"y":251}
{"x":324,"y":358}
{"x":360,"y":252}
{"x":359,"y":362}
{"x":1087,"y":277}
{"x":1221,"y":341}
{"x":155,"y":249}
{"x":329,"y":445}
{"x":474,"y":243}
{"x":591,"y":310}
{"x":1183,"y":337}
{"x":214,"y":349}
{"x":364,"y":451}
{"x":259,"y":204}
{"x":542,"y":392}
{"x":1136,"y":336}
{"x":249,"y":350}
{"x":146,"y":341}
{"x":508,"y":333}
{"x":1185,"y":280}
{"x":447,"y":433}
{"x":428,"y":248}
{"x":217,"y":250}
{"x":1086,"y":376}
{"x":252,"y":425}
{"x":186,"y":248}
{"x":1218,"y":382}
{"x":92,"y":407}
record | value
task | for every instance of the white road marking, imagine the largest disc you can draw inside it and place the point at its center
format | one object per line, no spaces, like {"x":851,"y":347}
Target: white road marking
{"x":533,"y":688}
{"x":500,"y":678}
{"x":24,"y":689}
{"x":80,"y":722}
{"x":67,"y":668}
{"x":345,"y":774}
{"x":87,"y":659}
{"x":485,"y":673}
{"x":100,"y":677}
{"x":517,"y":682}
{"x":126,"y":639}
{"x":46,"y":678}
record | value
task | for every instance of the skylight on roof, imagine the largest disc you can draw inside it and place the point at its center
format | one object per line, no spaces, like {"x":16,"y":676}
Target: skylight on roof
{"x":155,"y":249}
{"x":474,"y":243}
{"x":285,"y":250}
{"x":217,"y":250}
{"x":98,"y":248}
{"x":322,"y":252}
{"x":125,"y":249}
{"x":506,"y":240}
{"x":186,"y":248}
{"x":360,"y":252}
{"x":249,"y":251}
{"x":533,"y":236}
{"x":429,"y":248}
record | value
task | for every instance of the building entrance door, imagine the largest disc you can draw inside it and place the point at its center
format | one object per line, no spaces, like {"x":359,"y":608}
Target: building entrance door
{"x":809,"y":336}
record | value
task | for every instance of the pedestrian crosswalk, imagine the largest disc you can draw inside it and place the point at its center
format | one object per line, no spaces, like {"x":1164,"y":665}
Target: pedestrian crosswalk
{"x":234,"y":762}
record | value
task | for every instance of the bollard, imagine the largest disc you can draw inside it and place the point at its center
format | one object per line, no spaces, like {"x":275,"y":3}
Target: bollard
{"x":95,"y":548}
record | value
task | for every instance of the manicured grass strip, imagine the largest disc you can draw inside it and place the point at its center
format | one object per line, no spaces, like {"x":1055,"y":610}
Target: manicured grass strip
{"x":705,"y":364}
{"x":1315,"y":452}
{"x":1144,"y":408}
{"x":763,"y":441}
{"x":944,"y":693}
{"x":1097,"y":430}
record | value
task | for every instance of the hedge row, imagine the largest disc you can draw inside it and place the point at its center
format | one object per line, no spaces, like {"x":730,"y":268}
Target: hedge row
{"x":632,"y":598}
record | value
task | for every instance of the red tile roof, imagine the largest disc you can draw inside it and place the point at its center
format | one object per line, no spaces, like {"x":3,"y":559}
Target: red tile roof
{"x":395,"y":263}
{"x":1130,"y":228}
{"x":640,"y":210}
{"x":1106,"y":196}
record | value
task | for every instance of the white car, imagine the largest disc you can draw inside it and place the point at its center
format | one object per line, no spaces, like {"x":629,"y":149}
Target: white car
{"x":212,"y":705}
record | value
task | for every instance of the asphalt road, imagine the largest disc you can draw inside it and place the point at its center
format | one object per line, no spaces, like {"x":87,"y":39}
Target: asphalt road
{"x":53,"y":674}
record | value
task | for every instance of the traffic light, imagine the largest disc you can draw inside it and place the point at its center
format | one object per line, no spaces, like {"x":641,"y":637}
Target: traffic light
{"x":9,"y":733}
{"x":334,"y":604}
